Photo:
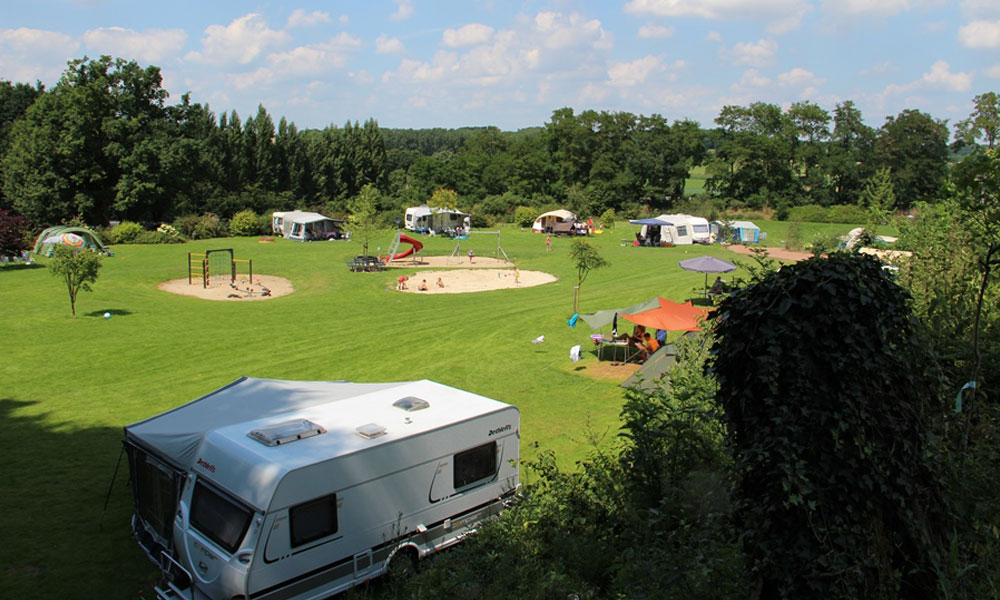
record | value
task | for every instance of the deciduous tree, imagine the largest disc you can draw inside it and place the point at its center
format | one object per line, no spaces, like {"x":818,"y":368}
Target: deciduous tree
{"x":77,"y":268}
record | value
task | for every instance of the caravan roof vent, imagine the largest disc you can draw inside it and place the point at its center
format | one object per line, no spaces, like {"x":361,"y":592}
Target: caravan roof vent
{"x":285,"y":432}
{"x":411,"y":403}
{"x":371,"y":431}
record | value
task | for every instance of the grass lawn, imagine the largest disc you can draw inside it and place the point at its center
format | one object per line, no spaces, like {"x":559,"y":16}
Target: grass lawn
{"x":71,"y":384}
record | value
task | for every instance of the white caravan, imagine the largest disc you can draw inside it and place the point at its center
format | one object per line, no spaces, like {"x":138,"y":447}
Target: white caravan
{"x":426,"y":219}
{"x":273,"y":489}
{"x":281,"y":223}
{"x":688,"y":229}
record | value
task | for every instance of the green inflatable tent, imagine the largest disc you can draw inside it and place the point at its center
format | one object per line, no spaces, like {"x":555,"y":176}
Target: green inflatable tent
{"x":74,"y":237}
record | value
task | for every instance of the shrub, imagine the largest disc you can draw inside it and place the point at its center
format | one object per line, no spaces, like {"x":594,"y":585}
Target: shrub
{"x":847,"y":213}
{"x":809,"y":213}
{"x":200,"y":227}
{"x":608,"y":218}
{"x":13,"y":234}
{"x":524,"y":216}
{"x":837,"y":489}
{"x":158,"y":237}
{"x":793,"y":238}
{"x":126,"y":232}
{"x":244,"y":223}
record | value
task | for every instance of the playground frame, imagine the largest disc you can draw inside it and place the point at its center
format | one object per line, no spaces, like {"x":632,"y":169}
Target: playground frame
{"x":200,"y":267}
{"x":457,"y":252}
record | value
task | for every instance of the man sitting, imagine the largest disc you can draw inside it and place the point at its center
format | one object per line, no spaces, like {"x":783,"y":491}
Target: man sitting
{"x":649,"y":347}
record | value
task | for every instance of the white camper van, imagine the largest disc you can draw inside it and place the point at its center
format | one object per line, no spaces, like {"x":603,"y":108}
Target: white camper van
{"x":427,"y":219}
{"x":291,"y":489}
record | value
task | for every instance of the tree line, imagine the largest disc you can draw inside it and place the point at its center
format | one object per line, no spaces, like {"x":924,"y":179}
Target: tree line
{"x":103,"y":145}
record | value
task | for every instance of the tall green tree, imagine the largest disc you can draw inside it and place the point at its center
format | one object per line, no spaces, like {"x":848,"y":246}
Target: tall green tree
{"x":851,"y":153}
{"x":914,"y":146}
{"x":983,"y":123}
{"x":364,"y":219}
{"x":69,"y":153}
{"x":77,"y":269}
{"x":585,"y":258}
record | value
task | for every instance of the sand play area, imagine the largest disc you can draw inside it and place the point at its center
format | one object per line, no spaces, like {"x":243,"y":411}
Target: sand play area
{"x":460,"y":277}
{"x":264,"y":287}
{"x":461,"y":281}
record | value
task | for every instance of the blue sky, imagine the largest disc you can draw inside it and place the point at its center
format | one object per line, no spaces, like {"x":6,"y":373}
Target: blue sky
{"x":415,"y":64}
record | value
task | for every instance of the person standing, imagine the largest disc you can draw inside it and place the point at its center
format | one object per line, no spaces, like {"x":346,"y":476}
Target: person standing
{"x":548,"y":243}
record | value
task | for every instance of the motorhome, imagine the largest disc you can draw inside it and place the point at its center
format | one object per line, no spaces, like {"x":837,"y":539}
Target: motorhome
{"x":293,"y":489}
{"x":426,"y":219}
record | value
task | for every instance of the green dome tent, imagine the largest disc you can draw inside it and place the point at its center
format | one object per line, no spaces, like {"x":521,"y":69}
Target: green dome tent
{"x":75,"y":237}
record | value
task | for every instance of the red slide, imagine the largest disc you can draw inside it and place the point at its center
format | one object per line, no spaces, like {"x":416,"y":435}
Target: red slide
{"x":415,"y":247}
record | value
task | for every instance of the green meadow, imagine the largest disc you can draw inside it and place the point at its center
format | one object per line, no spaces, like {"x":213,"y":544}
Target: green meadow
{"x":69,"y":385}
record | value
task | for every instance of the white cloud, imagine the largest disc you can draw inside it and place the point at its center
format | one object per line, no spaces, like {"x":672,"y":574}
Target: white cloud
{"x":304,"y":61}
{"x":300,"y":18}
{"x":242,"y":41}
{"x":860,"y":8}
{"x":980,"y":34}
{"x":880,"y":69}
{"x":387,"y":45}
{"x":467,"y":35}
{"x":993,"y":72}
{"x":344,"y":19}
{"x":980,"y":9}
{"x":713,"y":36}
{"x":940,"y":77}
{"x":559,"y":33}
{"x":655,"y":31}
{"x":27,"y":55}
{"x":153,"y":45}
{"x":780,"y":15}
{"x":36,"y":40}
{"x":753,"y":54}
{"x":404,"y":10}
{"x":752,"y":79}
{"x":798,"y":77}
{"x":630,"y":74}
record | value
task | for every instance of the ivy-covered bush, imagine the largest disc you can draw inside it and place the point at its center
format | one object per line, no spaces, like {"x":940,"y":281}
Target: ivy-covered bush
{"x":829,"y":394}
{"x":244,"y":223}
{"x":126,"y":232}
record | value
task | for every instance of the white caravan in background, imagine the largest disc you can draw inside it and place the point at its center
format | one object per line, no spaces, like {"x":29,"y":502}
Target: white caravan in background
{"x":688,"y":229}
{"x":271,"y":489}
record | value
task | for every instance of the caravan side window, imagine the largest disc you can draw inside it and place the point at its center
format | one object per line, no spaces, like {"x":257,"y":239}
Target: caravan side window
{"x":313,"y":520}
{"x":222,"y":520}
{"x":682,"y":230}
{"x":475,"y":464}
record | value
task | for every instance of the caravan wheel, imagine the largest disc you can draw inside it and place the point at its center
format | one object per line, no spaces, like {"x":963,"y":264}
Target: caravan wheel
{"x":402,"y":564}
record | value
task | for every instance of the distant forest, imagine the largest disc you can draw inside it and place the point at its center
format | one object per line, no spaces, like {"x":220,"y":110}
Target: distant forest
{"x":103,"y":145}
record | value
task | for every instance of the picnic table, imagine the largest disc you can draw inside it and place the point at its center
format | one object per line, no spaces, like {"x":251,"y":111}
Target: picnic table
{"x":365,"y":264}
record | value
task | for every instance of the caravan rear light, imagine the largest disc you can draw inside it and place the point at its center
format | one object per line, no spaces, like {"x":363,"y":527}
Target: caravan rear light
{"x":371,"y":431}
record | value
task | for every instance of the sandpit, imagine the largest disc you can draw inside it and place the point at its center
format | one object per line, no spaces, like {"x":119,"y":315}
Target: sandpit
{"x":264,"y":287}
{"x":423,"y":262}
{"x":462,"y":281}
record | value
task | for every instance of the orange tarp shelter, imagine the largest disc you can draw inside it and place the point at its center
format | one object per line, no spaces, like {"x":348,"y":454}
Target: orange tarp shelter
{"x":670,"y":316}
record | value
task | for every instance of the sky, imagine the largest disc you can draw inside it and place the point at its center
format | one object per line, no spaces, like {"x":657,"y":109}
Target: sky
{"x":510,"y":64}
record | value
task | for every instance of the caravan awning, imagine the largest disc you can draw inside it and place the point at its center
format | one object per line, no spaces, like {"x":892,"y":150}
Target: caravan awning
{"x":659,"y":222}
{"x":603,"y":318}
